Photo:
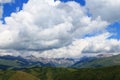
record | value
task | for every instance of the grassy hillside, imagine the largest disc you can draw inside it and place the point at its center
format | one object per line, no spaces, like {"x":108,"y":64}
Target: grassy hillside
{"x":20,"y":75}
{"x":100,"y":62}
{"x":49,"y":73}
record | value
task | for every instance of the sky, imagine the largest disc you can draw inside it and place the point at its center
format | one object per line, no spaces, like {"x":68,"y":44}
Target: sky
{"x":60,"y":28}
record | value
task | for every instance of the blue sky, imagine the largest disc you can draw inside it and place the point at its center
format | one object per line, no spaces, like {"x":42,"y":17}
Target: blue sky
{"x":82,"y":2}
{"x":115,"y":29}
{"x":11,"y":7}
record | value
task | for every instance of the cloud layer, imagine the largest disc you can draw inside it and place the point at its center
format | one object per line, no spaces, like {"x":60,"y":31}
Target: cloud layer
{"x":55,"y":29}
{"x":106,"y":9}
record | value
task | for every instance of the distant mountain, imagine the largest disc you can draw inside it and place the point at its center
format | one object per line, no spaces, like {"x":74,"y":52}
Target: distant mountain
{"x":11,"y":62}
{"x":96,"y":62}
{"x":57,"y":62}
{"x":82,"y":61}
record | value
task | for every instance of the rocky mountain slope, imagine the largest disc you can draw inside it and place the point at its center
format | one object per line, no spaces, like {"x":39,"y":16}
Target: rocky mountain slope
{"x":98,"y":62}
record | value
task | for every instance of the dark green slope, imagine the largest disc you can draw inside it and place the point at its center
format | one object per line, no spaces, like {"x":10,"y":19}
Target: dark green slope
{"x":47,"y":73}
{"x":99,"y":62}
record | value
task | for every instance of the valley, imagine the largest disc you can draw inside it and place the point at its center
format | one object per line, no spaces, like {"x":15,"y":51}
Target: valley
{"x":52,"y":73}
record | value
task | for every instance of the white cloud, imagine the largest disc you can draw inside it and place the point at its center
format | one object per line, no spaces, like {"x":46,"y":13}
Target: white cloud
{"x":47,"y":26}
{"x":6,"y":1}
{"x":90,"y":46}
{"x":107,"y":9}
{"x":101,"y":44}
{"x":54,"y":29}
{"x":1,"y":11}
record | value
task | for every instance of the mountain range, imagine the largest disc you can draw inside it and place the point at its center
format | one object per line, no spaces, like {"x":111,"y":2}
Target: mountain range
{"x":97,"y":62}
{"x":12,"y":62}
{"x":100,"y":67}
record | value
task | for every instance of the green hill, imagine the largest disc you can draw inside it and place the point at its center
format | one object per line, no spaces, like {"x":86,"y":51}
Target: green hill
{"x":20,"y":75}
{"x":49,"y":73}
{"x":99,"y":62}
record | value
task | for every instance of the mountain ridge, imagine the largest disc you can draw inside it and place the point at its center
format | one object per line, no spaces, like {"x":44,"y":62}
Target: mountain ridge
{"x":12,"y":62}
{"x":98,"y":62}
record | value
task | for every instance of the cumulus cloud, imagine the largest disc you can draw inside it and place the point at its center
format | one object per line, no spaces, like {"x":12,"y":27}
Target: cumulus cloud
{"x":1,"y":11}
{"x":45,"y":28}
{"x":89,"y":46}
{"x":101,"y":44}
{"x":48,"y":26}
{"x":107,"y":9}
